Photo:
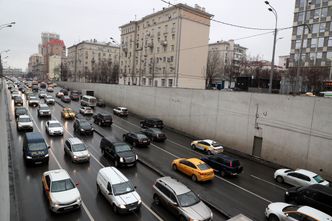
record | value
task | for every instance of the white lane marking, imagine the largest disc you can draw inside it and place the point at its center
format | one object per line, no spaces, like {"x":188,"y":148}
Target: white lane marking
{"x":145,"y":205}
{"x":56,"y":160}
{"x":273,"y":184}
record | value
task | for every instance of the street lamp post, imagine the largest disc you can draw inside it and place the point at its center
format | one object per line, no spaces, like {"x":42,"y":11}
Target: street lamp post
{"x":271,"y":9}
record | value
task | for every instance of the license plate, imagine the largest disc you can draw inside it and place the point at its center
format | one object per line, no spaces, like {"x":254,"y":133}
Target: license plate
{"x":131,"y":209}
{"x":38,"y":162}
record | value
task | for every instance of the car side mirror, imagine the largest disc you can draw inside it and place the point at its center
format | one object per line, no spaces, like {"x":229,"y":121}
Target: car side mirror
{"x":77,"y":184}
{"x":110,"y":193}
{"x":48,"y":146}
{"x":47,"y":190}
{"x":174,"y":203}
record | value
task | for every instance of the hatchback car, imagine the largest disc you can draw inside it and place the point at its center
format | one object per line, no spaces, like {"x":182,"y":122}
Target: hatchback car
{"x":197,"y":169}
{"x":120,"y":111}
{"x":24,"y":122}
{"x":53,"y":127}
{"x":103,"y":119}
{"x":68,"y":113}
{"x":20,"y":111}
{"x":44,"y":111}
{"x":83,"y":127}
{"x":155,"y":134}
{"x":77,"y":150}
{"x":180,"y":200}
{"x":224,"y":165}
{"x":65,"y":99}
{"x":86,"y":110}
{"x":61,"y":191}
{"x":299,"y":177}
{"x":207,"y":146}
{"x":288,"y":212}
{"x":152,"y":122}
{"x":136,"y":139}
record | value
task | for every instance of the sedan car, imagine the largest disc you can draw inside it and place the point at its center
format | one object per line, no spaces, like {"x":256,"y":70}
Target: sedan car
{"x":77,"y":150}
{"x":42,"y":94}
{"x":24,"y":122}
{"x":65,"y":99}
{"x":53,"y":127}
{"x":288,"y":212}
{"x":83,"y":126}
{"x":61,"y":191}
{"x":86,"y":110}
{"x":18,"y":100}
{"x":20,"y":111}
{"x":155,"y":134}
{"x":68,"y":113}
{"x":49,"y":99}
{"x":196,"y":168}
{"x":136,"y":139}
{"x":207,"y":146}
{"x":299,"y":177}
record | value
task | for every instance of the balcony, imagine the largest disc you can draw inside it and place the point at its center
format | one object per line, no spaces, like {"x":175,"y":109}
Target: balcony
{"x":150,"y":44}
{"x":163,"y":43}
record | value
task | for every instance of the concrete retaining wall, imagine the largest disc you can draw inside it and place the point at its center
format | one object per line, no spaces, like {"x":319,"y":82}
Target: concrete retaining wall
{"x":295,"y":131}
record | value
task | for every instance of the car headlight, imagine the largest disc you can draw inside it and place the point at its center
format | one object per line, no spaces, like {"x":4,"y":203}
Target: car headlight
{"x":136,"y":157}
{"x":139,"y":201}
{"x":28,"y":157}
{"x":287,"y":193}
{"x":82,"y":129}
{"x":122,"y":206}
{"x":88,"y":155}
{"x":75,"y":157}
{"x":78,"y":200}
{"x":121,"y":159}
{"x":46,"y":155}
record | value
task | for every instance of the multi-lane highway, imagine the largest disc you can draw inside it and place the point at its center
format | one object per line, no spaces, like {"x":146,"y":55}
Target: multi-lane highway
{"x":249,"y":193}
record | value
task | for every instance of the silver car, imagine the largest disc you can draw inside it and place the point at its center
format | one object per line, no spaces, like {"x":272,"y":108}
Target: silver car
{"x":288,"y":212}
{"x":180,"y":200}
{"x":24,"y":122}
{"x":77,"y":150}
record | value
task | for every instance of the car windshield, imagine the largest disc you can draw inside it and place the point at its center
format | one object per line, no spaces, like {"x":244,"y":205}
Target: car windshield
{"x":290,"y":208}
{"x":49,"y":97}
{"x":188,"y":199}
{"x":107,"y":117}
{"x":62,"y":185}
{"x":88,"y":108}
{"x":318,"y":179}
{"x":78,"y":147}
{"x":55,"y":124}
{"x":141,"y":136}
{"x":122,"y":148}
{"x":85,"y":124}
{"x":37,"y":146}
{"x":67,"y":110}
{"x":44,"y":108}
{"x":155,"y":130}
{"x":24,"y":119}
{"x":122,"y":188}
{"x":21,"y":111}
{"x":215,"y":144}
{"x":203,"y":166}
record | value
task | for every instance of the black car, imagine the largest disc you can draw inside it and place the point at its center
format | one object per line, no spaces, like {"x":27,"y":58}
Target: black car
{"x":18,"y":100}
{"x":35,"y":149}
{"x":121,"y":153}
{"x":20,"y":111}
{"x":74,"y":95}
{"x":65,"y":99}
{"x":103,"y":119}
{"x":101,"y":103}
{"x":83,"y":127}
{"x":152,"y":122}
{"x":64,"y":91}
{"x":316,"y":196}
{"x":223,"y":164}
{"x":155,"y":134}
{"x":136,"y":139}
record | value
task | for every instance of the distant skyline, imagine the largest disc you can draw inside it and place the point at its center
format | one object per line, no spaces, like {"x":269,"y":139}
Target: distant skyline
{"x":78,"y":20}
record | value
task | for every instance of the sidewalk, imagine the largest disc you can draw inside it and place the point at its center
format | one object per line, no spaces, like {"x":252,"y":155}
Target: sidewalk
{"x":4,"y":181}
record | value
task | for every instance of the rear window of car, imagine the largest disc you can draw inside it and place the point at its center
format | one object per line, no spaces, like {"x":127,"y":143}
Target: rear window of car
{"x":107,"y":117}
{"x":234,"y":163}
{"x":203,"y":166}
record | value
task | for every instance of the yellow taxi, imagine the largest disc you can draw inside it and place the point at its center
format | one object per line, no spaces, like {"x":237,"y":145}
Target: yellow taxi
{"x":68,"y":113}
{"x":196,"y":168}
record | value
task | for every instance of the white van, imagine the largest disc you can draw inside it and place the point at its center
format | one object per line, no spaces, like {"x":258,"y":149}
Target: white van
{"x":88,"y":101}
{"x":118,"y":190}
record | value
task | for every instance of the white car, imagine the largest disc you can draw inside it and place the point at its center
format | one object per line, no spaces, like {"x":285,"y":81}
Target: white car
{"x":120,"y":111}
{"x":285,"y":212}
{"x":86,"y":110}
{"x":77,"y":150}
{"x":24,"y":122}
{"x":299,"y":177}
{"x":207,"y":146}
{"x":61,"y":191}
{"x":49,"y":99}
{"x":33,"y":101}
{"x":53,"y":127}
{"x":15,"y":94}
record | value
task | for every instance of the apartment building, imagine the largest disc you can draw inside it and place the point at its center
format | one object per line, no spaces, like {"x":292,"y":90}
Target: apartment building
{"x":317,"y":42}
{"x":84,"y":59}
{"x":33,"y":60}
{"x":168,"y":48}
{"x":54,"y":67}
{"x":284,"y":61}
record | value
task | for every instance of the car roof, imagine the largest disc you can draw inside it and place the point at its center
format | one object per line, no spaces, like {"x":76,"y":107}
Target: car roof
{"x":154,"y":119}
{"x":195,"y":161}
{"x":43,"y":105}
{"x":31,"y":136}
{"x":104,"y":114}
{"x":113,"y":175}
{"x":175,"y":185}
{"x":306,"y":172}
{"x":209,"y":141}
{"x":314,"y":213}
{"x":226,"y":157}
{"x":24,"y":116}
{"x":74,"y":140}
{"x":53,"y":121}
{"x":59,"y":174}
{"x":320,"y":188}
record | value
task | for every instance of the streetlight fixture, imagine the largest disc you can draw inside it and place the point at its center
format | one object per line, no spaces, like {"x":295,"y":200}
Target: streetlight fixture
{"x":272,"y":9}
{"x":8,"y":25}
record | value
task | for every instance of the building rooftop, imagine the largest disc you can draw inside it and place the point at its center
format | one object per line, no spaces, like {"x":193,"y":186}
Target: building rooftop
{"x":95,"y":42}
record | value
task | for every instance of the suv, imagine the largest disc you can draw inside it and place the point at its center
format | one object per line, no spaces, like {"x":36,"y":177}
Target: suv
{"x":224,"y":165}
{"x":152,"y":122}
{"x":155,"y":134}
{"x":74,"y":95}
{"x":49,"y":99}
{"x":121,"y":153}
{"x":44,"y":110}
{"x":118,"y":190}
{"x":24,"y":122}
{"x":20,"y":111}
{"x":316,"y":196}
{"x":120,"y":111}
{"x":33,"y":101}
{"x":180,"y":200}
{"x":82,"y":126}
{"x":35,"y":149}
{"x":77,"y":150}
{"x":102,"y":119}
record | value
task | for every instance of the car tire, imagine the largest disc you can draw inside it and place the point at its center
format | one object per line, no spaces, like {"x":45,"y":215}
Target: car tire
{"x":142,"y":125}
{"x":156,"y":200}
{"x":279,"y":179}
{"x":222,"y":173}
{"x":174,"y":167}
{"x":194,"y":178}
{"x":193,"y":147}
{"x":273,"y":217}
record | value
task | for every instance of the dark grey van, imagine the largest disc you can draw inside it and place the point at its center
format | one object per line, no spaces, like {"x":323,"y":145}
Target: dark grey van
{"x":35,"y":149}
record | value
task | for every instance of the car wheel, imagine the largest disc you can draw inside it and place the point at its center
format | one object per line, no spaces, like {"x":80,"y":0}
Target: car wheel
{"x":115,"y":209}
{"x":194,"y":178}
{"x":116,"y":163}
{"x":142,"y":125}
{"x":273,"y":217}
{"x":98,"y":188}
{"x":280,"y":179}
{"x":174,"y":167}
{"x":193,"y":147}
{"x":134,"y":144}
{"x":156,"y":199}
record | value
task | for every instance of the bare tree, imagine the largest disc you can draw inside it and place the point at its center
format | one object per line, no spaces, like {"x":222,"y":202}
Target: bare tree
{"x":213,"y":68}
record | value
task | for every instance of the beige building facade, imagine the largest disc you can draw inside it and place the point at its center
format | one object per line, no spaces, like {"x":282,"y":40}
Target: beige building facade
{"x":168,"y":48}
{"x":54,"y":67}
{"x":84,"y":58}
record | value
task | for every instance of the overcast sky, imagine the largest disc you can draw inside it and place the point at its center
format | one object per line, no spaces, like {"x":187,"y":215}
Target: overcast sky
{"x":77,"y":20}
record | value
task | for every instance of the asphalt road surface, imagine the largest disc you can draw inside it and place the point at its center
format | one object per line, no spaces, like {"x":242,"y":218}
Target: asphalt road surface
{"x":249,"y":193}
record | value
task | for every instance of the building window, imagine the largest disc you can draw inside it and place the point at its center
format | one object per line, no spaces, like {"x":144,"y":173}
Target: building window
{"x":150,"y":81}
{"x":329,"y":55}
{"x":173,"y":36}
{"x":329,"y":42}
{"x":163,"y":82}
{"x":156,"y":83}
{"x":297,"y":44}
{"x":322,"y":27}
{"x":314,"y":42}
{"x":170,"y":82}
{"x":143,"y":81}
{"x":324,"y":12}
{"x":315,"y":28}
{"x":172,"y":58}
{"x":320,"y":42}
{"x":299,"y":30}
{"x":317,"y":13}
{"x":172,"y":47}
{"x":319,"y":55}
{"x":300,"y":16}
